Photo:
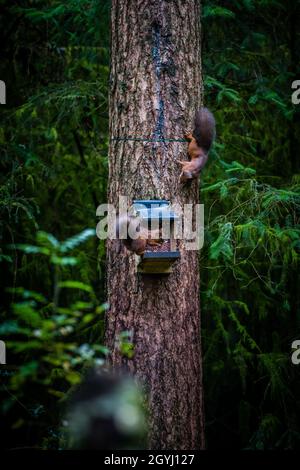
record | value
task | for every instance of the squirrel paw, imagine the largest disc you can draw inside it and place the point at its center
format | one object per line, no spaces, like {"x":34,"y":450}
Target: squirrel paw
{"x":185,"y":176}
{"x":153,"y":242}
{"x":188,"y":134}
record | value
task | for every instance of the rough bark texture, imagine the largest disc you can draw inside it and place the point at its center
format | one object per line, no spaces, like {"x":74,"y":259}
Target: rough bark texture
{"x":155,"y":89}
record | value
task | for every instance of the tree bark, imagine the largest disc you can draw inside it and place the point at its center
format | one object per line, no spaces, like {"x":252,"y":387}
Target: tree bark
{"x":155,"y":88}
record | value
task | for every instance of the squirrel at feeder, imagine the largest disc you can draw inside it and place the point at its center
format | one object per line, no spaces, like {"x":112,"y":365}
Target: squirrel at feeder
{"x":200,"y":141}
{"x":136,"y":245}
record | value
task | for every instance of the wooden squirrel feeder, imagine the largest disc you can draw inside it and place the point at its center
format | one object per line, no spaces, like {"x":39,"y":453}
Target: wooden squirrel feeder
{"x":154,"y":215}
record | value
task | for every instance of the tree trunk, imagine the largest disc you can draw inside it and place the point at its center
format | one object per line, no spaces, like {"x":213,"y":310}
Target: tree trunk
{"x":155,"y":88}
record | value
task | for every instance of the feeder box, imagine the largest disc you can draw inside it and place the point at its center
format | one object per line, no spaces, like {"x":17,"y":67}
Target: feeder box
{"x":154,"y":215}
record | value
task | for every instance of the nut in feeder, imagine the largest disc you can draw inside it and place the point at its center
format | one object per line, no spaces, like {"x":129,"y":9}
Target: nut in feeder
{"x":157,"y":217}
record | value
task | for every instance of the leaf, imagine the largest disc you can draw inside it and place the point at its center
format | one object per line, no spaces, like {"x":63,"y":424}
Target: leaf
{"x":212,"y":187}
{"x":27,"y":313}
{"x":222,"y":247}
{"x":73,"y":377}
{"x":27,"y":294}
{"x":11,"y":327}
{"x":217,"y":11}
{"x":31,"y":249}
{"x":64,"y":260}
{"x":22,"y":346}
{"x":6,"y":258}
{"x":76,"y":285}
{"x":44,"y":238}
{"x":77,"y":240}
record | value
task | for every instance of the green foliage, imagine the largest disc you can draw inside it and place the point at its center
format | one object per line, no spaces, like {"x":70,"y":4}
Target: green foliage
{"x":250,"y":299}
{"x":53,"y":176}
{"x":125,"y":345}
{"x":53,"y":145}
{"x":53,"y":340}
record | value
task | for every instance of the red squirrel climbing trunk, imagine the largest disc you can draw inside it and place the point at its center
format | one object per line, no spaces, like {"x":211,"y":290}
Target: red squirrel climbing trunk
{"x":155,"y":89}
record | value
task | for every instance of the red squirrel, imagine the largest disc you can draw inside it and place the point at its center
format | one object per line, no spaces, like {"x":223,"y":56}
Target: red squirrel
{"x":200,"y":141}
{"x":138,"y":245}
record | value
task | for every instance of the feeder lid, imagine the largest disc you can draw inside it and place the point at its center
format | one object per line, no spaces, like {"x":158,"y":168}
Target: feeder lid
{"x":154,"y":209}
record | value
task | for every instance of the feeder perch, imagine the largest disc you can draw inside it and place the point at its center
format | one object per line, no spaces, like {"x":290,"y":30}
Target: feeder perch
{"x":157,"y":259}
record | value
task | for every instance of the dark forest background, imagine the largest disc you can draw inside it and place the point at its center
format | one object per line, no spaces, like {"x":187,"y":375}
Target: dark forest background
{"x":54,"y":144}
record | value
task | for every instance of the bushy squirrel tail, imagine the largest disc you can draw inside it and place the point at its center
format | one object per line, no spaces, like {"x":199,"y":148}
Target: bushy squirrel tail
{"x":205,"y":128}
